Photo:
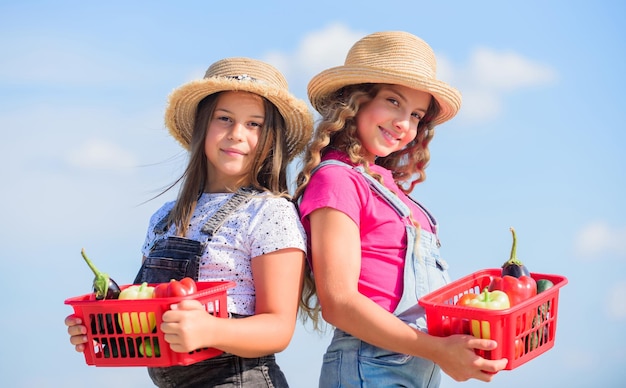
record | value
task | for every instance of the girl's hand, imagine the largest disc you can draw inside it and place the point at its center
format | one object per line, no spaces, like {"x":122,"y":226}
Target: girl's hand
{"x":459,"y":361}
{"x":77,"y":332}
{"x":187,"y":326}
{"x":277,"y":282}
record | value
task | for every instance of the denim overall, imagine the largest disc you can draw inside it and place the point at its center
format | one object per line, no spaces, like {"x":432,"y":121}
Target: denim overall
{"x":350,"y":362}
{"x":177,"y":257}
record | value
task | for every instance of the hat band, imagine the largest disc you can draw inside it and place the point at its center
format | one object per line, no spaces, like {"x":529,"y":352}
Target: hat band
{"x":244,"y":77}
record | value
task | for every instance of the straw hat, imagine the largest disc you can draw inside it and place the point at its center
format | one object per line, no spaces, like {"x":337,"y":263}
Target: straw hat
{"x":240,"y":74}
{"x":392,"y":57}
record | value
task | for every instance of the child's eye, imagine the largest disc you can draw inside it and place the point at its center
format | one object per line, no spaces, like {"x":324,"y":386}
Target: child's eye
{"x":393,"y":101}
{"x":255,"y":124}
{"x":417,"y":115}
{"x":223,"y":118}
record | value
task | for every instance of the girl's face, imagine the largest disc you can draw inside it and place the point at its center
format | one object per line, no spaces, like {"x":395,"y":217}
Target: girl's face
{"x":388,"y":123}
{"x":231,"y":139}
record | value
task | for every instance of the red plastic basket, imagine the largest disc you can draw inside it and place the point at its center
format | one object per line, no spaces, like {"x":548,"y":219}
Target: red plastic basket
{"x":523,"y":331}
{"x":144,"y":345}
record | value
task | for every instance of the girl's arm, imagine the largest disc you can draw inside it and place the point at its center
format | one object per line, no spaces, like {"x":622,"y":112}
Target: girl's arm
{"x":336,"y":255}
{"x":277,"y":279}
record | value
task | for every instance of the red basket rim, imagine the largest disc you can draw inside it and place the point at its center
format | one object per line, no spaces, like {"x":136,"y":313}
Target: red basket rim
{"x":434,"y":298}
{"x":210,"y":288}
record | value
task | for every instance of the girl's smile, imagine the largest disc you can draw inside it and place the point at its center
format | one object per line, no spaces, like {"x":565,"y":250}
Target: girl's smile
{"x":389,"y":121}
{"x":392,"y":138}
{"x":231,"y":139}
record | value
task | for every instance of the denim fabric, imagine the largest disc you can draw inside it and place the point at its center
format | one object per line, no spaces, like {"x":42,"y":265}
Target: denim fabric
{"x":350,"y":362}
{"x":171,"y":258}
{"x":222,"y":371}
{"x":424,"y":271}
{"x":177,"y":257}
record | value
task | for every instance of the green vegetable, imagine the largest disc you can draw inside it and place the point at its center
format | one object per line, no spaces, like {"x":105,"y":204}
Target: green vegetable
{"x":494,"y":300}
{"x":539,"y":335}
{"x":137,"y":322}
{"x":543,"y":284}
{"x":149,"y":349}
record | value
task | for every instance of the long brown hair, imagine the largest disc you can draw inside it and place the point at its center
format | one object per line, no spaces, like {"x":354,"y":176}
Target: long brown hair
{"x":337,"y":130}
{"x":268,"y":171}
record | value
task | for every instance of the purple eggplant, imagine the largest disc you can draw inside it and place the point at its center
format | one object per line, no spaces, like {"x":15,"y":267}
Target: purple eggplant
{"x":103,"y":286}
{"x":514,"y":267}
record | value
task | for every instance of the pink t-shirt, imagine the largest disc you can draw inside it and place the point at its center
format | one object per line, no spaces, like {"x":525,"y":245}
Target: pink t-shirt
{"x":383,"y":235}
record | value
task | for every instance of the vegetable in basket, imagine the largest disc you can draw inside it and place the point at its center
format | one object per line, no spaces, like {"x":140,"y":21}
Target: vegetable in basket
{"x":514,"y":266}
{"x":185,"y":286}
{"x":543,"y":285}
{"x":540,"y":335}
{"x":148,"y":348}
{"x":494,"y":300}
{"x":517,"y":289}
{"x":137,"y":322}
{"x":544,"y":309}
{"x":103,"y":286}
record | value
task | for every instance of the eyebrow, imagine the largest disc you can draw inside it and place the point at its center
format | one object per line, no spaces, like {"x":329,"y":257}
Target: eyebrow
{"x":393,"y":90}
{"x":218,"y":109}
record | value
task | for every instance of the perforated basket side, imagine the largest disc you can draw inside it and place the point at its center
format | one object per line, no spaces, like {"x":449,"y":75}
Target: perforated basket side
{"x":523,"y":332}
{"x":127,"y":332}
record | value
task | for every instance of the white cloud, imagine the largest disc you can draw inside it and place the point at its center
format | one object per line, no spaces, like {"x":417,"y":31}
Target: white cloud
{"x":507,"y":70}
{"x":490,"y":75}
{"x":317,"y":51}
{"x":598,"y":238}
{"x":481,"y":104}
{"x":102,"y":155}
{"x":326,"y":48}
{"x":615,"y":305}
{"x":486,"y":78}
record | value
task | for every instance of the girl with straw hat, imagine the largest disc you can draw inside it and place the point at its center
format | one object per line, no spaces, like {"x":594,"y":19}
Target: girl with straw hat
{"x":374,"y":251}
{"x":232,"y":221}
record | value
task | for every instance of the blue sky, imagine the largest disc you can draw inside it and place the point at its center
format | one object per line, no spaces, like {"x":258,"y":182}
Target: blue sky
{"x":538,"y":145}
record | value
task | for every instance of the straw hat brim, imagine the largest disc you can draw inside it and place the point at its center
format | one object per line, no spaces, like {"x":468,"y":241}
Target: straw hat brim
{"x":180,"y":114}
{"x":329,"y":81}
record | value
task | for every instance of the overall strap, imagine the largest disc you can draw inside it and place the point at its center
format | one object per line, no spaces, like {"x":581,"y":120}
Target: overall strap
{"x":400,"y":207}
{"x":243,"y":195}
{"x":240,"y":197}
{"x":386,"y":194}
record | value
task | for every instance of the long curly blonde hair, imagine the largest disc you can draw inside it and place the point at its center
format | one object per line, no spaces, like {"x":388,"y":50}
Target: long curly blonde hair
{"x":337,"y":130}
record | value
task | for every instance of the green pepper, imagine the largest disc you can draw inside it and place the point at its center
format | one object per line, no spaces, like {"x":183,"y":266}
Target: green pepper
{"x":134,"y":322}
{"x":494,"y":300}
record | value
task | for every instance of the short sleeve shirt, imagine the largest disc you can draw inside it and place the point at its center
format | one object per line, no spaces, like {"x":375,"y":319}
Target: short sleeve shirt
{"x":263,"y":225}
{"x":382,"y":230}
